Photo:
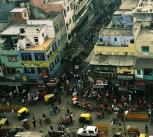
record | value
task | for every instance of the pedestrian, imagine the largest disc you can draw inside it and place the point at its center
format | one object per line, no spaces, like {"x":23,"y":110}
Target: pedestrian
{"x":12,"y":112}
{"x":44,"y":116}
{"x":146,"y":129}
{"x":8,"y":104}
{"x":23,"y":102}
{"x":68,"y":111}
{"x":51,"y":111}
{"x":33,"y":117}
{"x":67,"y":132}
{"x":34,"y":123}
{"x":130,"y":98}
{"x":40,"y":122}
{"x":103,"y":113}
{"x":51,"y":127}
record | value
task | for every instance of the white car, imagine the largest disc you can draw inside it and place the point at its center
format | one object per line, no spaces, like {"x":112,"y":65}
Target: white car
{"x":88,"y":131}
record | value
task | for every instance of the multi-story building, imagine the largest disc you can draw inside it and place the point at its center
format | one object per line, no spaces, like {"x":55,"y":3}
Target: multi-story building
{"x":76,"y":12}
{"x":33,"y":49}
{"x":114,"y":54}
{"x":114,"y":63}
{"x":124,"y":49}
{"x":111,"y":36}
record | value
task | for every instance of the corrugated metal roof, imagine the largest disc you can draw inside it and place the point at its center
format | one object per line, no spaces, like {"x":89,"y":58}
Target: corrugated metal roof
{"x":110,"y":60}
{"x":146,"y":63}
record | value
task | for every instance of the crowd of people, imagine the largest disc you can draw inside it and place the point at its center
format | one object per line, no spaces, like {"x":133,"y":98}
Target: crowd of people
{"x":77,"y":84}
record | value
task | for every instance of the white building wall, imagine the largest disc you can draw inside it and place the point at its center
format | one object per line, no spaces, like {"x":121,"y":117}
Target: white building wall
{"x":139,"y":75}
{"x":121,"y":40}
{"x":49,"y":23}
{"x":69,"y":15}
{"x":41,"y":36}
{"x":30,"y":36}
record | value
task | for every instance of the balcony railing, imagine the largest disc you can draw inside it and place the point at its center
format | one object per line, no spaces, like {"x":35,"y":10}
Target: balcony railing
{"x":79,"y":5}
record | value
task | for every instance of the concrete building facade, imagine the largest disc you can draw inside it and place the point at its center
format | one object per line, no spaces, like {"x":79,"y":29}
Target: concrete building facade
{"x":34,"y":49}
{"x":76,"y":12}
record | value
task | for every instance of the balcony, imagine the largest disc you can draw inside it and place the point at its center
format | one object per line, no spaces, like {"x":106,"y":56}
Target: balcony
{"x":80,"y":4}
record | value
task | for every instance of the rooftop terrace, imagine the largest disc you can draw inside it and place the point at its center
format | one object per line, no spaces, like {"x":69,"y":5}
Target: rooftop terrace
{"x":15,"y":29}
{"x":41,"y":47}
{"x":145,"y":6}
{"x":129,"y":4}
{"x":107,"y":60}
{"x":115,"y":32}
{"x":145,"y":35}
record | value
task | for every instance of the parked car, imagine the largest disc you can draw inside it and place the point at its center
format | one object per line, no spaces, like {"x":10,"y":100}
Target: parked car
{"x":88,"y":131}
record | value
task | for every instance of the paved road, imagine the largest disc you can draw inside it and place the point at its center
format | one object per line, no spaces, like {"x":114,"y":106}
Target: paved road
{"x":40,"y":108}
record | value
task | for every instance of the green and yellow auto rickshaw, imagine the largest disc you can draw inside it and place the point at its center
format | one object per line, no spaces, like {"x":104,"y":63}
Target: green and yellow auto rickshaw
{"x":85,"y":118}
{"x":4,"y":122}
{"x":49,"y":98}
{"x":23,"y":112}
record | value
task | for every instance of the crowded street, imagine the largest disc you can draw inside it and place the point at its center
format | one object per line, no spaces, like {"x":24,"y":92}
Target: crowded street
{"x":59,"y":90}
{"x":75,"y":95}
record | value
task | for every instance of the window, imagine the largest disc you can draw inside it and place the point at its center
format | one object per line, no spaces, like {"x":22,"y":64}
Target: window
{"x":65,"y":13}
{"x":138,"y":72}
{"x":39,"y":56}
{"x":41,"y":70}
{"x":91,"y":132}
{"x":145,"y":48}
{"x":56,"y":28}
{"x":67,"y":26}
{"x":71,"y":5}
{"x":12,"y":59}
{"x":84,"y":132}
{"x":43,"y":35}
{"x":115,"y":39}
{"x":49,"y":54}
{"x":15,"y":40}
{"x":29,"y":70}
{"x":61,"y":24}
{"x":10,"y":71}
{"x":147,"y":72}
{"x":36,"y":39}
{"x":73,"y":18}
{"x":101,"y":39}
{"x":57,"y":60}
{"x":69,"y":36}
{"x":68,"y":8}
{"x":25,"y":14}
{"x":26,"y":56}
{"x":54,"y":47}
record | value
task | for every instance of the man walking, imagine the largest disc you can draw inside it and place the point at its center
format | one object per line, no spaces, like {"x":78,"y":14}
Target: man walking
{"x":34,"y":122}
{"x":146,"y":129}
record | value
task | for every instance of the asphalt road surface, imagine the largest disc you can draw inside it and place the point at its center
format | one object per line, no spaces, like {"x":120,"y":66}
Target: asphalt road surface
{"x":39,"y":108}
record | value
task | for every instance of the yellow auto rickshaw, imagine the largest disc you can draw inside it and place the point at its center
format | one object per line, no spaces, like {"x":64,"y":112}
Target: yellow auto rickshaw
{"x":142,"y":135}
{"x":85,"y":118}
{"x":23,"y":112}
{"x":4,"y":122}
{"x":49,"y":98}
